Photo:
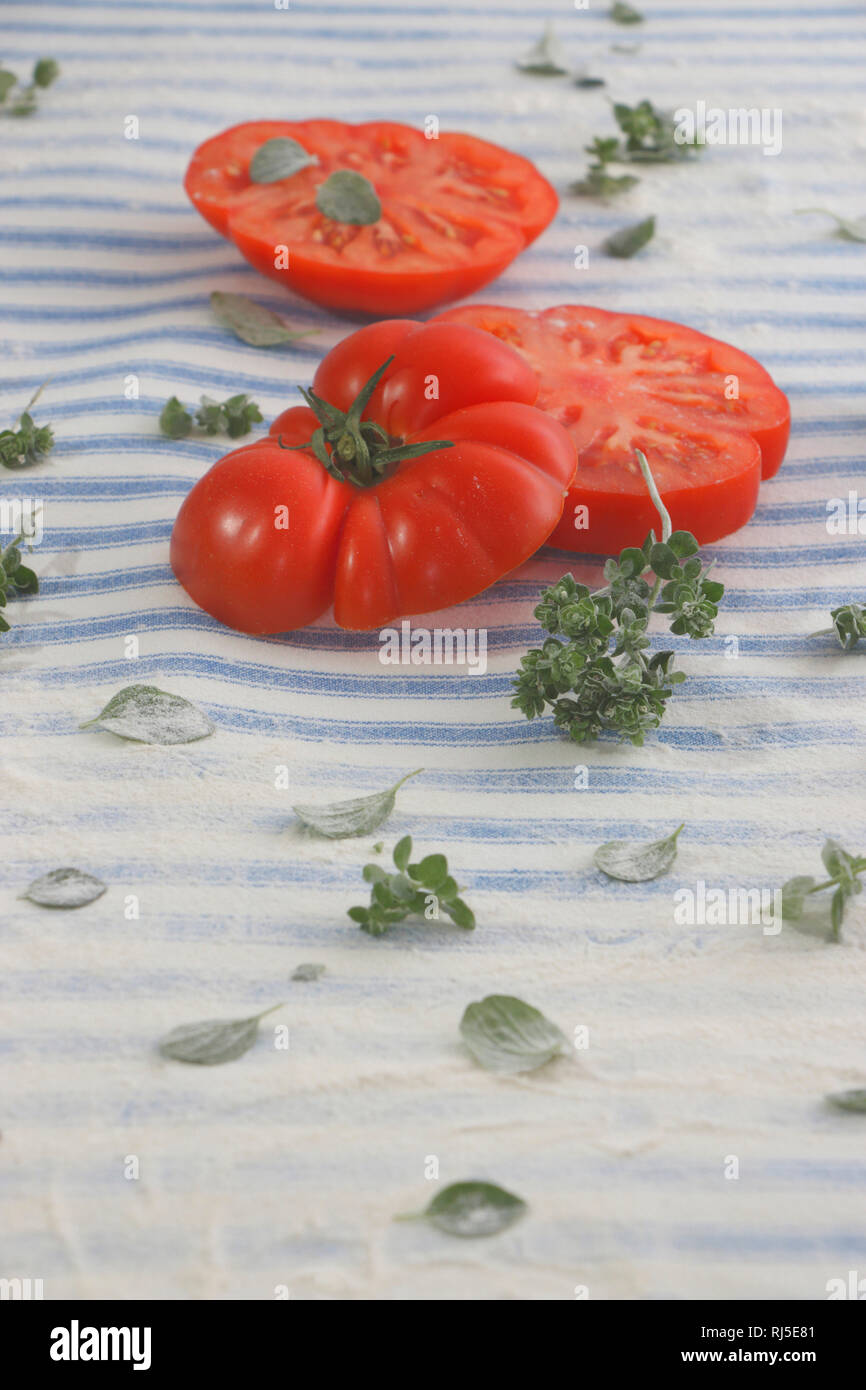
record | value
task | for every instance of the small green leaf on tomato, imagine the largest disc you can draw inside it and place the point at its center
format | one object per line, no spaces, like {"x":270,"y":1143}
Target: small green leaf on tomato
{"x":347,"y":196}
{"x":278,"y":159}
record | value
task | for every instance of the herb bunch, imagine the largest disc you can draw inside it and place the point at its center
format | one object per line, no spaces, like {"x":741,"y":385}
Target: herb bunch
{"x":415,"y":890}
{"x":647,"y":138}
{"x":844,"y":872}
{"x":15,"y":578}
{"x":597,"y":675}
{"x":28,"y":443}
{"x":233,"y":417}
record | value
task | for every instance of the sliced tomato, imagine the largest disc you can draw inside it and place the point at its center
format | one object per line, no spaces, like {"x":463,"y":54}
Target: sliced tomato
{"x":709,"y":418}
{"x":455,"y":212}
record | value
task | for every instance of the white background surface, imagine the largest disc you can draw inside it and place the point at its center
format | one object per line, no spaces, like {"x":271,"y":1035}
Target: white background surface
{"x":706,"y":1042}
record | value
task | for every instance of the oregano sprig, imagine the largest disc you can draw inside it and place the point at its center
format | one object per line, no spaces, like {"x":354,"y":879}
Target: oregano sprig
{"x":415,"y":890}
{"x":849,"y":625}
{"x":595,"y":672}
{"x":28,"y":443}
{"x":234,"y":417}
{"x":23,"y":98}
{"x":16,"y":578}
{"x":843,"y":871}
{"x":648,"y":136}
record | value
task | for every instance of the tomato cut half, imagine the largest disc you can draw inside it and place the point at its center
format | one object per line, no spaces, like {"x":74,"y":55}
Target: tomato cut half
{"x":456,"y":211}
{"x":709,"y":418}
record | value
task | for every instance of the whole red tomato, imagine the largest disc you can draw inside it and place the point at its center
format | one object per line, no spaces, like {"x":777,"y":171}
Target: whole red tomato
{"x":419,"y":473}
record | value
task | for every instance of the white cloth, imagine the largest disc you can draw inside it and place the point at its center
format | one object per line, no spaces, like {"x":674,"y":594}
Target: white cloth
{"x":285,"y":1168}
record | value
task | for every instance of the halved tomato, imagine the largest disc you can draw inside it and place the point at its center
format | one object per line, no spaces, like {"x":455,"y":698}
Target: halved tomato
{"x":708,"y":417}
{"x":456,"y":211}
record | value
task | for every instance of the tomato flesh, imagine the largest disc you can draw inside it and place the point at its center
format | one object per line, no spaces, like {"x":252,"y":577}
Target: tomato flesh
{"x":455,"y":212}
{"x":708,"y":417}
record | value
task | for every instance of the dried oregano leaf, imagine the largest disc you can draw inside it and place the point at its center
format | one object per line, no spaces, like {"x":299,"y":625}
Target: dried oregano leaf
{"x":629,"y":240}
{"x":545,"y":58}
{"x":346,"y":196}
{"x":358,"y":816}
{"x":213,"y":1041}
{"x":852,"y":229}
{"x":472,"y":1209}
{"x":278,"y":159}
{"x":146,"y":714}
{"x":65,"y":888}
{"x":252,"y":322}
{"x":849,"y":1100}
{"x":308,"y":971}
{"x":506,"y":1035}
{"x":636,"y":863}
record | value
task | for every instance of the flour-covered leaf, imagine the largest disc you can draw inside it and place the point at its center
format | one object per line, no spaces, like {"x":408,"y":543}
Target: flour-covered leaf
{"x":852,"y":229}
{"x":213,"y":1041}
{"x":65,"y":888}
{"x":472,"y":1209}
{"x":622,"y":13}
{"x":794,"y":894}
{"x":309,"y":971}
{"x":545,"y":58}
{"x":506,"y":1035}
{"x":360,"y":815}
{"x":629,"y":240}
{"x":635,"y":863}
{"x":854,"y":1100}
{"x":146,"y":714}
{"x":252,"y":322}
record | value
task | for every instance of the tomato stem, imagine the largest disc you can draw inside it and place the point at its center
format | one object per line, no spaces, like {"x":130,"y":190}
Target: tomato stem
{"x":654,"y":494}
{"x":355,"y":450}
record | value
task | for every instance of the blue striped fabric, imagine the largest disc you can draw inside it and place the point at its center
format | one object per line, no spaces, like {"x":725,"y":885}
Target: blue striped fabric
{"x":707,"y":1043}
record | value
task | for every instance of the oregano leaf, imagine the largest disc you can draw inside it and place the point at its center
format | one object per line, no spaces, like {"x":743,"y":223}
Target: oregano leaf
{"x":622,"y":13}
{"x":794,"y":893}
{"x":506,"y":1035}
{"x":545,"y":58}
{"x":854,"y":1100}
{"x":174,"y":419}
{"x":213,"y":1041}
{"x":146,"y":714}
{"x":346,"y":196}
{"x":629,"y":240}
{"x":65,"y":888}
{"x":358,"y":816}
{"x":45,"y":71}
{"x":253,"y":323}
{"x":850,"y":228}
{"x":460,"y":913}
{"x":636,"y":863}
{"x":308,"y":971}
{"x":278,"y":159}
{"x":473,"y":1209}
{"x":401,"y":852}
